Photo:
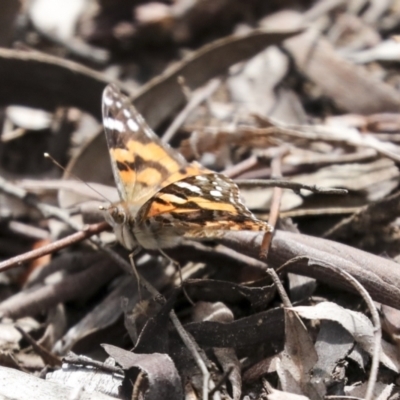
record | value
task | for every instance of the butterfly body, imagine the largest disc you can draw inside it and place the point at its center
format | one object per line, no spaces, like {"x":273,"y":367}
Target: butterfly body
{"x":164,"y":199}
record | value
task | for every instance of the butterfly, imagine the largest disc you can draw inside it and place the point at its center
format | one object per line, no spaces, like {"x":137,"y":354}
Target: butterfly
{"x":164,"y":198}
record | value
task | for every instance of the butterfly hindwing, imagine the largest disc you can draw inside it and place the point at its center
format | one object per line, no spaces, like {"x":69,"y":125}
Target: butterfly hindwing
{"x":200,"y":206}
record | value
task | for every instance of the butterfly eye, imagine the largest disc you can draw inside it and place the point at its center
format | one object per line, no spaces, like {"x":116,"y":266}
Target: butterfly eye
{"x":118,"y":215}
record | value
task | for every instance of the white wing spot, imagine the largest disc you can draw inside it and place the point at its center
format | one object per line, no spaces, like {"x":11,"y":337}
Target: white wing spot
{"x":173,"y":199}
{"x":132,"y":125}
{"x":113,"y":124}
{"x":118,"y":104}
{"x":118,"y":125}
{"x":108,"y":122}
{"x":108,"y":101}
{"x":188,"y":186}
{"x":216,"y":193}
{"x":127,"y":113}
{"x":201,"y":178}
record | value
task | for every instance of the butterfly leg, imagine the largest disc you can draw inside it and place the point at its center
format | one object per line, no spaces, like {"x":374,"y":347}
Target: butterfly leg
{"x":178,"y":267}
{"x":134,"y":253}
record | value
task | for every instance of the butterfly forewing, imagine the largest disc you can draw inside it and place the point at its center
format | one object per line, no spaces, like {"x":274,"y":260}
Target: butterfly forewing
{"x":141,"y":163}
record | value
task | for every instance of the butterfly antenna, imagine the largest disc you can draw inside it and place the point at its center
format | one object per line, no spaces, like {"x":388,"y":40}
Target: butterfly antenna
{"x":55,"y":162}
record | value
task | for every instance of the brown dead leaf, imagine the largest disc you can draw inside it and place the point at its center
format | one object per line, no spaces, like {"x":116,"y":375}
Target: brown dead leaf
{"x":297,"y":359}
{"x":357,"y":324}
{"x":159,"y":378}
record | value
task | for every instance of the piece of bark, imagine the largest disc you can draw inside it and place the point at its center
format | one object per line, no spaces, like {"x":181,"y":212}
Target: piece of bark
{"x":159,"y":372}
{"x":19,"y":385}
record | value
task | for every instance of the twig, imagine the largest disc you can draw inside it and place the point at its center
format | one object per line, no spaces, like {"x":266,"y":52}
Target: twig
{"x":189,"y":343}
{"x":281,"y":290}
{"x":196,"y":99}
{"x":29,"y":231}
{"x":319,"y":211}
{"x":80,"y":49}
{"x":224,"y":377}
{"x":44,"y":354}
{"x":295,"y":186}
{"x":343,"y":398}
{"x":241,"y":167}
{"x":276,"y":201}
{"x":72,"y":358}
{"x":178,"y":268}
{"x":88,"y":231}
{"x":143,"y":282}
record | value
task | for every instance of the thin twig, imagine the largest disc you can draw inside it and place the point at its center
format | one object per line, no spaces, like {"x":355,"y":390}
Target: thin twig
{"x":224,"y":377}
{"x":295,"y":186}
{"x":42,"y":352}
{"x":196,"y":98}
{"x":319,"y":211}
{"x":72,"y":358}
{"x":88,"y":231}
{"x":241,"y":167}
{"x":29,"y":231}
{"x":281,"y":290}
{"x":179,"y":269}
{"x":276,"y":169}
{"x":189,"y":343}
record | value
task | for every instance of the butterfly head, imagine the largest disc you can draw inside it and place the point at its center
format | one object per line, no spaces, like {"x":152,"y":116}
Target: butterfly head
{"x":118,"y":217}
{"x":116,"y":214}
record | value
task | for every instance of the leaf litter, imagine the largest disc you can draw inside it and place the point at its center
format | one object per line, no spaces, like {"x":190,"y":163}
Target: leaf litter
{"x":303,"y":94}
